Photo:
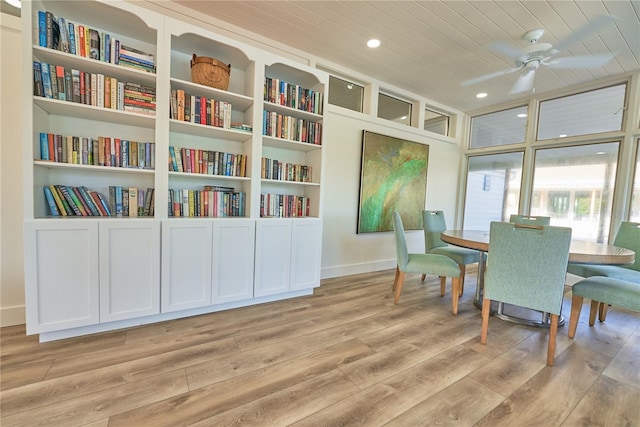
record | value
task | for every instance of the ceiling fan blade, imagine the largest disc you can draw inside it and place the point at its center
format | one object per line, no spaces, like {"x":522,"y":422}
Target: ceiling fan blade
{"x":505,"y":49}
{"x":590,"y":28}
{"x":524,"y":82}
{"x":489,"y":76}
{"x":580,"y":61}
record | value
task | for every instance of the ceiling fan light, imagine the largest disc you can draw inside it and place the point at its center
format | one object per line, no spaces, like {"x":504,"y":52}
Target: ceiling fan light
{"x":481,"y":95}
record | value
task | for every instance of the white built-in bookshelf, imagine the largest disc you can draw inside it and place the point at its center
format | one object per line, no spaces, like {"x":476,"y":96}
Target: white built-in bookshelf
{"x":212,"y":229}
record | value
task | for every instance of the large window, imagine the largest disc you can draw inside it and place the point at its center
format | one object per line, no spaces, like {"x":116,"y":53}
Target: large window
{"x":394,"y":109}
{"x":500,"y":128}
{"x":345,"y":94}
{"x":574,"y":186}
{"x":585,"y":113}
{"x":634,"y":211}
{"x":493,"y":189}
{"x":436,"y":122}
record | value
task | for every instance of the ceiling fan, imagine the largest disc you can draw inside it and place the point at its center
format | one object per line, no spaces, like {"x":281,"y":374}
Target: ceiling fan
{"x":529,"y":59}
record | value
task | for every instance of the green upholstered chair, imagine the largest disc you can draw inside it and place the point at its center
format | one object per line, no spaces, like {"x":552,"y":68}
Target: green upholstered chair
{"x":419,"y":263}
{"x":628,"y":236}
{"x":434,"y":224}
{"x":527,"y":269}
{"x":602,"y":291}
{"x":530,"y":220}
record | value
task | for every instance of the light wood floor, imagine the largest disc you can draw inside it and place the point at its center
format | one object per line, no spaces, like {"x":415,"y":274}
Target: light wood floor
{"x":344,"y":356}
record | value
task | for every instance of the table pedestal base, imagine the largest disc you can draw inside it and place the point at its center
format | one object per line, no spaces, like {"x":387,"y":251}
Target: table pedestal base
{"x":497,"y":310}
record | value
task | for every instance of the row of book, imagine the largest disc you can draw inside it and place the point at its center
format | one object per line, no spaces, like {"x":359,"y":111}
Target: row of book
{"x":100,"y":151}
{"x":283,"y":205}
{"x":291,"y":95}
{"x":200,"y":109}
{"x":193,"y":160}
{"x":283,"y":171}
{"x":287,"y":127}
{"x":65,"y":200}
{"x":212,"y":201}
{"x":78,"y":39}
{"x":58,"y":82}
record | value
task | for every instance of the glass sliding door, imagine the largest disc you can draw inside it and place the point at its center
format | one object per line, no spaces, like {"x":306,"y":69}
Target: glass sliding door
{"x":493,"y":189}
{"x":574,"y":186}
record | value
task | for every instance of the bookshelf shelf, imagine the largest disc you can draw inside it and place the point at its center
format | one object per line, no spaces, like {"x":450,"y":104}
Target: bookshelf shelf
{"x":289,"y":144}
{"x":208,"y":131}
{"x":90,"y":112}
{"x":92,"y":168}
{"x":120,"y":72}
{"x":294,"y":112}
{"x":289,"y":183}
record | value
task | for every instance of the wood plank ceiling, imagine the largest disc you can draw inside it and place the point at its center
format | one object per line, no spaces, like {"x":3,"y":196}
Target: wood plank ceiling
{"x":430,"y":47}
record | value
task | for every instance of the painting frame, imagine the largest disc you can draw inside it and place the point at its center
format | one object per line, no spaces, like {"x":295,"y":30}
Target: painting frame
{"x":393,"y":177}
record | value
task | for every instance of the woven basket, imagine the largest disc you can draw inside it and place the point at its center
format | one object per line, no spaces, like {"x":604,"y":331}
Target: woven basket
{"x":210,"y":72}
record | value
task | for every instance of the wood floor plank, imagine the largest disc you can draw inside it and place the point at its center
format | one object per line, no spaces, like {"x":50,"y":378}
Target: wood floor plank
{"x":289,"y":405}
{"x":458,"y":405}
{"x":625,"y":366}
{"x":97,"y":406}
{"x":227,"y":367}
{"x":24,"y":373}
{"x":209,"y":401}
{"x":608,"y":403}
{"x":557,"y":389}
{"x":388,"y":399}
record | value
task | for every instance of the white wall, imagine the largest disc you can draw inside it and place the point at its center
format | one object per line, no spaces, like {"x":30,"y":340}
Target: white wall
{"x":343,"y":251}
{"x":11,"y":248}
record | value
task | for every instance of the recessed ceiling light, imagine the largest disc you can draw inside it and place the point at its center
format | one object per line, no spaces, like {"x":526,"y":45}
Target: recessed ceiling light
{"x":521,"y":115}
{"x":349,"y":86}
{"x":373,"y":43}
{"x":601,"y":152}
{"x":562,"y":135}
{"x":481,"y":95}
{"x":15,"y":3}
{"x":403,"y":118}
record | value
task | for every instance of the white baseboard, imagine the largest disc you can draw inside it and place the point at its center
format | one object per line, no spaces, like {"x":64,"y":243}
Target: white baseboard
{"x":10,"y":316}
{"x":365,"y":267}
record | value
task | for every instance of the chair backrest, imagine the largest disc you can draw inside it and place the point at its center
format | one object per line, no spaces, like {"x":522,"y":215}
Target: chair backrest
{"x":433,"y":224}
{"x":530,"y":220}
{"x":528,"y":265}
{"x":402,"y":253}
{"x":628,"y":236}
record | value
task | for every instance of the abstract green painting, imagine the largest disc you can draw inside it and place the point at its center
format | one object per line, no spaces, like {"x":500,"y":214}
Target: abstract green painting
{"x":393,"y":176}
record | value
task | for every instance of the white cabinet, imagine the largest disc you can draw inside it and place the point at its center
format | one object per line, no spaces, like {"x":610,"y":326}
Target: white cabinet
{"x":61,"y":273}
{"x":232,"y":264}
{"x":129,"y":269}
{"x":186,"y":264}
{"x":288,"y":255}
{"x":206,"y":262}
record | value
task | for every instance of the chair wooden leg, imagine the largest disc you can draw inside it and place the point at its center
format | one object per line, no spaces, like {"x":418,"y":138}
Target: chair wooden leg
{"x":602,"y":311}
{"x":424,"y":276}
{"x":576,"y":307}
{"x":553,"y":332}
{"x":455,"y":294}
{"x":395,"y":279}
{"x":398,"y":286}
{"x":462,"y":271}
{"x":443,"y":282}
{"x":592,"y":312}
{"x":486,"y":308}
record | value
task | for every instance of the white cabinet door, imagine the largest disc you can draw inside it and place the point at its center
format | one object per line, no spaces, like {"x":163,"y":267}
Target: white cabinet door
{"x":186,"y":264}
{"x":306,"y":253}
{"x":61,"y":274}
{"x":273,"y":256}
{"x":129,"y":268}
{"x":232,"y":263}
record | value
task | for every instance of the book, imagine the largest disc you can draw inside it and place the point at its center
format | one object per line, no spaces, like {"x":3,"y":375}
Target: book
{"x":72,"y":207}
{"x":58,"y":200}
{"x":72,"y":38}
{"x":42,"y":28}
{"x":133,"y":201}
{"x":64,"y":34}
{"x":60,"y":80}
{"x":53,"y":208}
{"x":76,"y":86}
{"x":46,"y":80}
{"x":44,"y":146}
{"x":89,"y":202}
{"x":94,"y":44}
{"x":105,"y":204}
{"x":38,"y":88}
{"x":125,"y":201}
{"x":79,"y":200}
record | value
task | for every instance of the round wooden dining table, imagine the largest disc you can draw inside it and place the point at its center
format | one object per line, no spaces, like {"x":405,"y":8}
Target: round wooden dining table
{"x":580,"y":252}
